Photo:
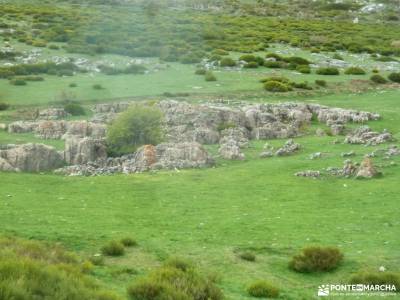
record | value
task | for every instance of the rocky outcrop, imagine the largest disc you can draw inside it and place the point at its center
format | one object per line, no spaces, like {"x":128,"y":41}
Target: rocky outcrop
{"x":364,"y":135}
{"x":289,"y":148}
{"x":308,"y":173}
{"x":51,"y":129}
{"x":84,"y":150}
{"x":115,"y":107}
{"x":367,"y":169}
{"x":22,"y":127}
{"x":231,"y":150}
{"x":52,"y":114}
{"x":30,"y":158}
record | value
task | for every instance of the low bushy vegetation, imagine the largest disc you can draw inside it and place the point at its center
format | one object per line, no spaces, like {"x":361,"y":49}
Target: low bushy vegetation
{"x":200,"y":72}
{"x":18,"y":82}
{"x":177,"y":280}
{"x":328,"y":71}
{"x":395,"y":77}
{"x":74,"y":109}
{"x":97,"y":86}
{"x":376,"y":78}
{"x":276,"y":87}
{"x":249,"y":256}
{"x":263,"y":289}
{"x":320,"y":82}
{"x":4,"y":106}
{"x":377,"y":278}
{"x":316,"y":259}
{"x":113,"y":248}
{"x":354,"y":71}
{"x":128,"y":242}
{"x":137,"y":126}
{"x":227,"y":62}
{"x":303,"y":69}
{"x":209,"y":76}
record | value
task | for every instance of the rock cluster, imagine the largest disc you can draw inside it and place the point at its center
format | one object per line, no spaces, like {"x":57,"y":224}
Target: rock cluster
{"x":288,"y":148}
{"x":364,"y":170}
{"x":365,"y":135}
{"x":52,"y":114}
{"x":308,"y":173}
{"x":29,"y":158}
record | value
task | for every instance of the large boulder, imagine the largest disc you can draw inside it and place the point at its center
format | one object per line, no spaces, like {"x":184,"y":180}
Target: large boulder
{"x":84,"y":150}
{"x":367,"y":169}
{"x":30,"y":158}
{"x":86,"y":129}
{"x":231,"y":150}
{"x":51,"y":129}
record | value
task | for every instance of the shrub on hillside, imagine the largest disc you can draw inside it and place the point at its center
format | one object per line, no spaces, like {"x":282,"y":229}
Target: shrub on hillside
{"x":303,"y":69}
{"x":337,"y":56}
{"x":137,"y":126}
{"x":249,"y":58}
{"x":354,"y":71}
{"x":209,"y":76}
{"x":113,"y":248}
{"x":276,"y":86}
{"x":263,"y":289}
{"x":301,"y":85}
{"x":273,"y":64}
{"x":377,"y":278}
{"x":320,"y":82}
{"x":378,"y":79}
{"x":247,"y":256}
{"x":328,"y":71}
{"x":128,"y":242}
{"x":274,"y":55}
{"x":316,"y":259}
{"x":18,"y":82}
{"x":200,"y":72}
{"x":175,"y":281}
{"x":220,"y":52}
{"x":251,"y":65}
{"x":97,"y":86}
{"x":4,"y":106}
{"x":275,"y":78}
{"x":297,"y":60}
{"x":74,"y":109}
{"x":72,"y":85}
{"x":395,"y":77}
{"x":227,"y":62}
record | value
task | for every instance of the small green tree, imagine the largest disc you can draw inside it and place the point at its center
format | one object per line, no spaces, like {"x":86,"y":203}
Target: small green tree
{"x":137,"y":126}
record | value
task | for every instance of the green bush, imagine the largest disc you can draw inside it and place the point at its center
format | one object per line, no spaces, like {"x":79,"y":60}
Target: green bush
{"x":74,"y":109}
{"x":97,"y":260}
{"x":303,"y":69}
{"x":251,"y":65}
{"x":220,"y":52}
{"x":113,"y":248}
{"x":53,"y":47}
{"x":354,"y":71}
{"x":4,"y":106}
{"x":72,"y":85}
{"x":297,"y":60}
{"x":276,"y":86}
{"x":97,"y":86}
{"x":273,"y":64}
{"x":247,"y":256}
{"x":301,"y":85}
{"x":175,"y":281}
{"x":19,"y":82}
{"x":137,"y":126}
{"x":249,"y":58}
{"x":320,"y":82}
{"x":128,"y":242}
{"x":377,"y":278}
{"x":328,"y":71}
{"x":263,"y":289}
{"x":378,"y":79}
{"x":227,"y":62}
{"x":200,"y":72}
{"x":395,"y":77}
{"x":276,"y":78}
{"x":274,"y":55}
{"x":316,"y":259}
{"x":209,"y":76}
{"x":337,"y":56}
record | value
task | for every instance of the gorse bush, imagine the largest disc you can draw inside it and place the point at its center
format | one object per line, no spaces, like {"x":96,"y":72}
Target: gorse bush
{"x":227,"y":62}
{"x":177,"y":280}
{"x":19,"y":82}
{"x":113,"y":248}
{"x":320,"y":82}
{"x":328,"y":71}
{"x":209,"y":76}
{"x":354,"y":71}
{"x":316,"y":259}
{"x":4,"y":106}
{"x":251,"y":65}
{"x":395,"y":77}
{"x":200,"y":72}
{"x":276,"y":86}
{"x":303,"y":69}
{"x":128,"y":242}
{"x":377,"y":278}
{"x":74,"y":109}
{"x":34,"y":270}
{"x":301,"y":85}
{"x":139,"y":125}
{"x":263,"y":289}
{"x":273,"y":64}
{"x":247,"y":256}
{"x":378,"y":79}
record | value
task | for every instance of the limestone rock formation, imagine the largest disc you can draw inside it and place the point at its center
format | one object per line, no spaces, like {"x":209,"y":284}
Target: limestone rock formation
{"x":231,"y":150}
{"x":288,"y":148}
{"x":367,"y":169}
{"x":364,"y":135}
{"x":52,"y":114}
{"x":84,"y":150}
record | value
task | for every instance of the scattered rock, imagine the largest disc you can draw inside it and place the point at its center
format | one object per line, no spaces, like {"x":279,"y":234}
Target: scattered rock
{"x":320,"y":132}
{"x":266,"y":154}
{"x":315,"y":155}
{"x":367,"y":169}
{"x":348,"y":154}
{"x":53,"y":114}
{"x":22,"y":127}
{"x":337,"y":129}
{"x":3,"y":126}
{"x":308,"y":173}
{"x":231,"y":150}
{"x":289,"y":148}
{"x":364,"y":135}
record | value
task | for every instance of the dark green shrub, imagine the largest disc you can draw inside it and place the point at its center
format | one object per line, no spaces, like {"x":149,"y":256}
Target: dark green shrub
{"x":248,"y":58}
{"x":377,"y":278}
{"x":247,"y":256}
{"x":395,"y":77}
{"x":137,"y":126}
{"x":273,"y":64}
{"x":72,"y":85}
{"x":375,"y":71}
{"x":303,"y":69}
{"x":275,"y":78}
{"x":297,"y":60}
{"x":179,"y":263}
{"x":320,"y":82}
{"x":220,"y":52}
{"x":74,"y":109}
{"x":378,"y":79}
{"x":97,"y":260}
{"x":276,"y":87}
{"x":354,"y":71}
{"x":274,"y":55}
{"x":251,"y":65}
{"x":113,"y":248}
{"x":18,"y":82}
{"x":209,"y":76}
{"x":4,"y":106}
{"x":337,"y":56}
{"x":328,"y":71}
{"x":316,"y":259}
{"x":32,"y":78}
{"x":227,"y":62}
{"x":97,"y":86}
{"x":128,"y":242}
{"x":200,"y":72}
{"x":301,"y":85}
{"x":53,"y":47}
{"x":175,"y":281}
{"x":263,"y":289}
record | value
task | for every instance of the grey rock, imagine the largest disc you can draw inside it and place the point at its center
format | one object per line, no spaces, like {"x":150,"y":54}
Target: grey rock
{"x":231,"y":150}
{"x":84,"y":150}
{"x":290,"y":147}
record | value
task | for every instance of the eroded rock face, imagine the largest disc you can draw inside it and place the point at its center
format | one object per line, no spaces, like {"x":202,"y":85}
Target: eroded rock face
{"x":30,"y":158}
{"x":22,"y":127}
{"x":364,"y":135}
{"x":231,"y":150}
{"x":51,"y":129}
{"x":84,"y":150}
{"x":86,"y":129}
{"x":52,"y":114}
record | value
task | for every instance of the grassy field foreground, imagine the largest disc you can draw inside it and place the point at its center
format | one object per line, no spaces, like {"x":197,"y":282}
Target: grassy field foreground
{"x":211,"y":215}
